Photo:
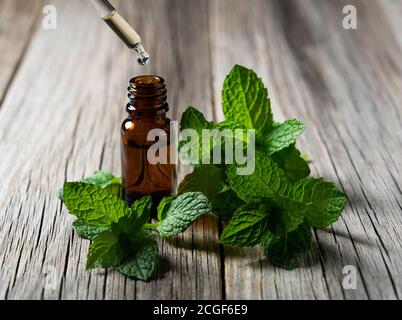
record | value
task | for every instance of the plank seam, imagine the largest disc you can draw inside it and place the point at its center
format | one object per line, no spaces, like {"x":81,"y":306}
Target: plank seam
{"x":65,"y":269}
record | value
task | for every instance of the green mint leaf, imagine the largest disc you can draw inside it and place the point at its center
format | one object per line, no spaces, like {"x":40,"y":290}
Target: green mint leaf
{"x":142,"y":263}
{"x":285,"y":250}
{"x":228,"y":124}
{"x":132,"y":223}
{"x":207,"y":179}
{"x":292,"y":164}
{"x":90,"y":230}
{"x":90,"y":202}
{"x":127,"y":226}
{"x":254,"y":222}
{"x":194,"y":119}
{"x":163,"y":207}
{"x":106,"y":181}
{"x":225,"y":204}
{"x":60,"y":194}
{"x":116,"y":190}
{"x":141,"y":209}
{"x":267,"y":180}
{"x":183,"y":211}
{"x":103,"y":179}
{"x":283,"y":135}
{"x":245,"y":101}
{"x":324,"y":201}
{"x":105,"y":251}
{"x":290,"y":213}
{"x":248,"y":227}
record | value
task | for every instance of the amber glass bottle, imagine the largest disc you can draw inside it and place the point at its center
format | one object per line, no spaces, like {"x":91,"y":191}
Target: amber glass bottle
{"x":147,"y":110}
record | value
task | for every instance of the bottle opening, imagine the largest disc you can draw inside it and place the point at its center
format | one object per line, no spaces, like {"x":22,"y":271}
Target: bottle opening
{"x":147,"y":80}
{"x":147,"y":92}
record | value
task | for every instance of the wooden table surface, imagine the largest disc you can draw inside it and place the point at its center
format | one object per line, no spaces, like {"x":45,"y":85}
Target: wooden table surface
{"x":62,"y":99}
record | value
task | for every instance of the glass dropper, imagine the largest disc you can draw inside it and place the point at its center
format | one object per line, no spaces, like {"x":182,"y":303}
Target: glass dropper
{"x":121,"y":27}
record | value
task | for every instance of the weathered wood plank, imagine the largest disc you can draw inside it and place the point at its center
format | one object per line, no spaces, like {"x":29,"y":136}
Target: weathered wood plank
{"x":346,"y":86}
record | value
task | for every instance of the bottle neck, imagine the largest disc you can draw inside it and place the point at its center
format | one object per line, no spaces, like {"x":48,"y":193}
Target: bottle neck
{"x":148,"y":97}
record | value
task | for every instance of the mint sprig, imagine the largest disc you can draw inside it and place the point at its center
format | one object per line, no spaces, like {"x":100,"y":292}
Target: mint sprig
{"x":122,"y":236}
{"x":120,"y":239}
{"x":276,"y":205}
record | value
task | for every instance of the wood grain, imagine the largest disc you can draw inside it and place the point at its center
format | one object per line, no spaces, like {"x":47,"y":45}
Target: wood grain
{"x":62,"y":98}
{"x":17,"y":20}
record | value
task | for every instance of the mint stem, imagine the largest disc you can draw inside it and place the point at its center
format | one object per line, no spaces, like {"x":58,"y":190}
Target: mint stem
{"x":150,"y":225}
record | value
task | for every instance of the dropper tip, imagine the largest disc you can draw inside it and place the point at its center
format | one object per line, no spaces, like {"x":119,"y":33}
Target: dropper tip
{"x":142,"y":55}
{"x":143,"y":60}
